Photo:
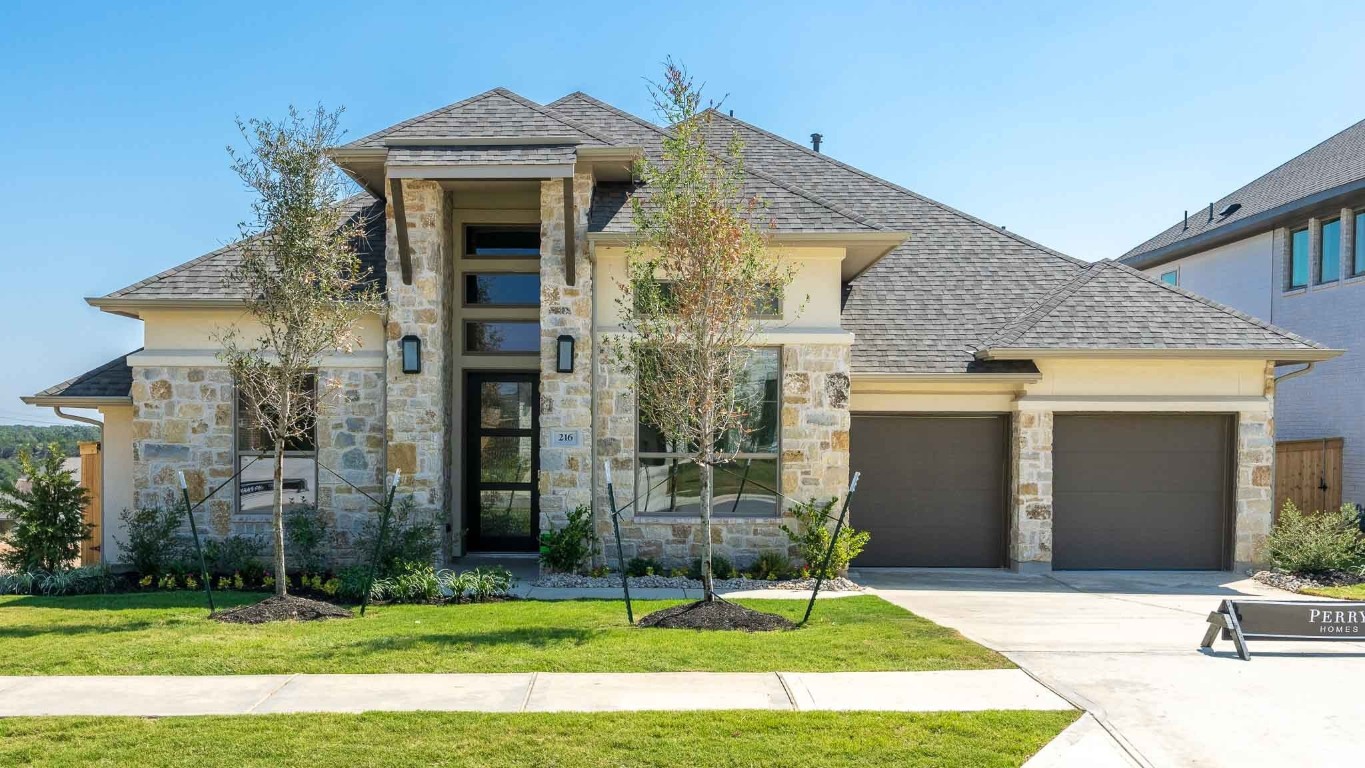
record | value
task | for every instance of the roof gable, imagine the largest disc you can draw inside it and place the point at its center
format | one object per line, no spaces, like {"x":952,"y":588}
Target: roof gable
{"x":495,"y":113}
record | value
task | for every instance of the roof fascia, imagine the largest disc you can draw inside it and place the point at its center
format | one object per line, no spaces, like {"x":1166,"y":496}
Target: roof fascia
{"x":1250,"y":225}
{"x":484,"y":171}
{"x":1281,"y":356}
{"x":76,"y":402}
{"x":480,"y":141}
{"x":912,"y":378}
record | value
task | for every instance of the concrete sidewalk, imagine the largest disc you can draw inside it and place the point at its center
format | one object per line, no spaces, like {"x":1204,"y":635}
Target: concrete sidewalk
{"x":164,"y":696}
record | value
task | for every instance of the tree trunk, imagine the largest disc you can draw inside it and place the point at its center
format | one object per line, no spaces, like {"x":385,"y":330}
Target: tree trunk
{"x":281,"y":578}
{"x":708,"y":583}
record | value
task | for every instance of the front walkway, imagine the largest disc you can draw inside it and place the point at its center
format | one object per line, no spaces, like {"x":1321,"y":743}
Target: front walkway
{"x":1124,"y":647}
{"x":162,"y":696}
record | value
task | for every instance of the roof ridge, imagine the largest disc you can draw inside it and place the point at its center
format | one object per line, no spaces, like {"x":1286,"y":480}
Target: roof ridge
{"x":838,"y":208}
{"x":177,"y":269}
{"x":404,"y":124}
{"x":1263,"y":325}
{"x":1044,"y":306}
{"x":1134,"y":251}
{"x":544,"y":110}
{"x":903,"y":190}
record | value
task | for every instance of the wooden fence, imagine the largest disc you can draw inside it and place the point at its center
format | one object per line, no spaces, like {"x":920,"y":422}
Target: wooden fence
{"x":92,"y":470}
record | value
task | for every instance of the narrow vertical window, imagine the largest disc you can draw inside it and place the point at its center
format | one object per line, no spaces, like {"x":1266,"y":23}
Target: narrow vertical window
{"x":1358,"y":262}
{"x":1329,"y":260}
{"x":1298,"y":259}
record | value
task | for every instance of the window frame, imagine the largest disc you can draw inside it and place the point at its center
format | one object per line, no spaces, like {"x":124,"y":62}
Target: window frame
{"x":775,"y":456}
{"x":1322,"y":251}
{"x":465,"y":276}
{"x":1290,"y":285}
{"x":238,"y":452}
{"x":469,"y":252}
{"x":1358,"y":243}
{"x":466,"y":322}
{"x":1173,"y":283}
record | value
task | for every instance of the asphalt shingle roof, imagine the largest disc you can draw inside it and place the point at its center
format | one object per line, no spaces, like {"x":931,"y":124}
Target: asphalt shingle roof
{"x":547,"y":154}
{"x":498,"y":112}
{"x":1338,"y":161}
{"x":1112,"y":306}
{"x":113,"y":379}
{"x":207,"y":277}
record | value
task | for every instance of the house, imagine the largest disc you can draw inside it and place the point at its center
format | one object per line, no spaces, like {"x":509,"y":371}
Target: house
{"x":1290,"y":247}
{"x":1007,"y":405}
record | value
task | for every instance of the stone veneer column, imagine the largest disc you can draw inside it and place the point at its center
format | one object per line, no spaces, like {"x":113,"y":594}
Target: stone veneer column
{"x":566,"y":399}
{"x":416,"y":416}
{"x":351,"y":441}
{"x":182,"y":421}
{"x":1030,"y":536}
{"x":815,"y":421}
{"x":1255,"y":506}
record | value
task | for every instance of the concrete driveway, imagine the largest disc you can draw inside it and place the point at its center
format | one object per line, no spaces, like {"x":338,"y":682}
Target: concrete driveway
{"x":1124,"y":645}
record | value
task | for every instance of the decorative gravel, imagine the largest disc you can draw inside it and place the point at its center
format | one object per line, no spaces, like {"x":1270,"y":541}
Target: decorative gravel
{"x":573,"y":581}
{"x":1298,"y":582}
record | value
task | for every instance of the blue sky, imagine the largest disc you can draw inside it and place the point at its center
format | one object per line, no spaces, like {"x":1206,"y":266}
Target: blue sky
{"x":1086,"y":126}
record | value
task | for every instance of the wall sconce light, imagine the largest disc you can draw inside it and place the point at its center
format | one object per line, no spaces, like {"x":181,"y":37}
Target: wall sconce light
{"x":564,"y":354}
{"x":412,"y":354}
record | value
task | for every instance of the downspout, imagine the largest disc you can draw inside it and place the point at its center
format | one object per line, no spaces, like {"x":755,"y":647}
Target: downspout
{"x":83,"y":419}
{"x":1292,"y":374}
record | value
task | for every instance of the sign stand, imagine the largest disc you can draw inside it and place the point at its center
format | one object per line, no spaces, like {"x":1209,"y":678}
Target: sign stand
{"x":1242,"y":620}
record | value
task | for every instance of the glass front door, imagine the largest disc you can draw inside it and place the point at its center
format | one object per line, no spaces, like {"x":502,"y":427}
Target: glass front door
{"x":502,"y":454}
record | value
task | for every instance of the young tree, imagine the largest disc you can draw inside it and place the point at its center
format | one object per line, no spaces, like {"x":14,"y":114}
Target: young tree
{"x":698,"y":277}
{"x":305,"y":284}
{"x":47,"y":513}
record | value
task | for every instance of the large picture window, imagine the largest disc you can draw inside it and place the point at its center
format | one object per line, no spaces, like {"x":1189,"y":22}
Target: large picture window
{"x":668,"y":483}
{"x":255,"y":458}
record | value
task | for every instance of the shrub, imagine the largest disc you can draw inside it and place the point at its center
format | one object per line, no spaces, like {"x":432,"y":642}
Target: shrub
{"x":47,"y":517}
{"x":411,"y":583}
{"x":644,"y":566}
{"x":566,"y":548}
{"x":86,"y":580}
{"x":21,"y":583}
{"x":815,"y":520}
{"x":1317,"y":543}
{"x":305,"y":538}
{"x":772,"y":566}
{"x":479,"y":584}
{"x":411,"y":538}
{"x":721,"y":568}
{"x":233,"y":554}
{"x":351,"y":582}
{"x":151,"y":546}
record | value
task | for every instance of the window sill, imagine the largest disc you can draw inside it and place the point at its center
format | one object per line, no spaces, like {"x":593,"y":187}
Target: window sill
{"x":1299,"y":291}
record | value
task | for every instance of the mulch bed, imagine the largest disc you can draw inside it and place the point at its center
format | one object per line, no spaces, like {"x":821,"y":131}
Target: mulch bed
{"x":287,"y":608}
{"x":715,"y":614}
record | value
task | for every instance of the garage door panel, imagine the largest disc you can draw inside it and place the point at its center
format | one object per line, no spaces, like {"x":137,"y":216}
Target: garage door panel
{"x":933,"y":490}
{"x":1141,"y":491}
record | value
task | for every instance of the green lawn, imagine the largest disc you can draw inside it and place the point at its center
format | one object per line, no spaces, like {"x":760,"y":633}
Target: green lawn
{"x":1353,"y":592}
{"x":167,"y":634}
{"x":561,"y":740}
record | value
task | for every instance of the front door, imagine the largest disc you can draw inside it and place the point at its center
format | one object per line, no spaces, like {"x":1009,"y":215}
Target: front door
{"x":502,"y":454}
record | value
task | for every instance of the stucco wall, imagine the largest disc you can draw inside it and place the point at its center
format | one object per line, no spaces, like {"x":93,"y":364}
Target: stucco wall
{"x":117,"y":452}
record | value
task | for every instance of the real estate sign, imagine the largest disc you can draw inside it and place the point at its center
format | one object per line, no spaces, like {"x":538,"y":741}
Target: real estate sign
{"x":1240,"y":621}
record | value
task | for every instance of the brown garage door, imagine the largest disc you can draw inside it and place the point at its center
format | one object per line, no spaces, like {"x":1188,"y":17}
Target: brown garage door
{"x":932,"y":490}
{"x":1141,"y":491}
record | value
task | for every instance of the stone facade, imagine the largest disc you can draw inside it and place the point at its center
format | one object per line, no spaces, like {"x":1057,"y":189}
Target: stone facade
{"x":814,"y":461}
{"x":1030,"y":524}
{"x":417,"y":405}
{"x":566,"y":399}
{"x":1255,"y":505}
{"x":183,"y":420}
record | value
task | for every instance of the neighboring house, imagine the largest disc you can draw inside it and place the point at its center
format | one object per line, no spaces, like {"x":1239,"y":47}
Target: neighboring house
{"x":1290,"y":248}
{"x":1007,"y":405}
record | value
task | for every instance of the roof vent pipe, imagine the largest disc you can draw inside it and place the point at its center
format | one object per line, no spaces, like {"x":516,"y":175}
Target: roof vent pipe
{"x":1187,"y":220}
{"x":815,"y":140}
{"x":1210,"y":211}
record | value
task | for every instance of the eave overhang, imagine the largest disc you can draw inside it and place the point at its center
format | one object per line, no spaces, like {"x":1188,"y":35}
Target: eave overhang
{"x":76,"y":402}
{"x":130,"y":307}
{"x":860,"y":378}
{"x":1279,"y":356}
{"x":863,"y":249}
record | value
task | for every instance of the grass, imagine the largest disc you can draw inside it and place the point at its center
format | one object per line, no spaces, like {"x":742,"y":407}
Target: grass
{"x":561,"y":740}
{"x":1353,"y":592}
{"x":167,"y":634}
